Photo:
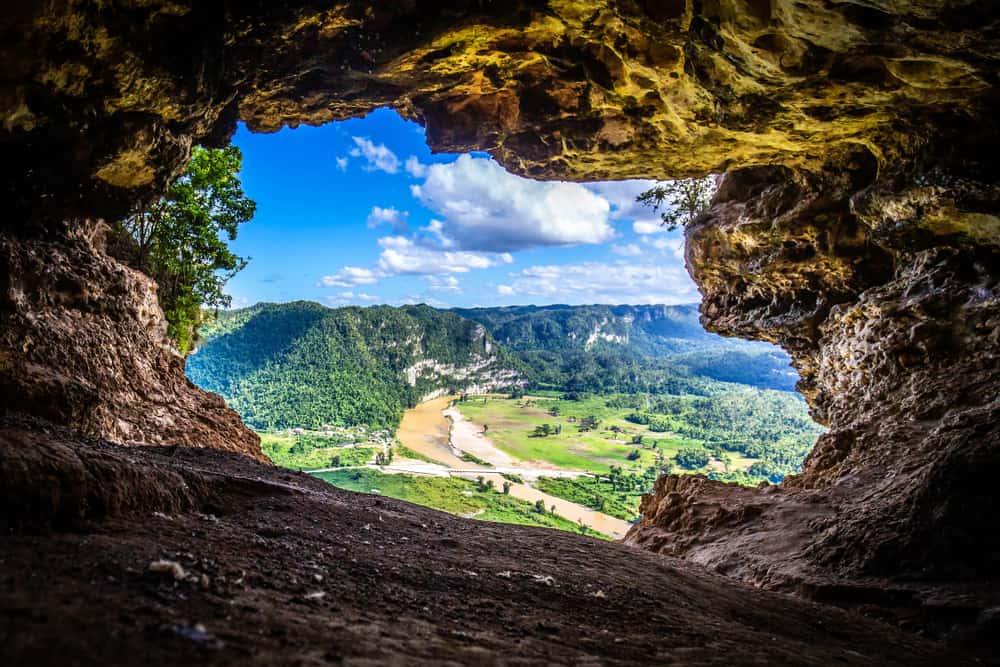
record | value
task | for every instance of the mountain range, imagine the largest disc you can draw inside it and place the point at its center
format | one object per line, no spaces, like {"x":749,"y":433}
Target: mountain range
{"x":304,"y":364}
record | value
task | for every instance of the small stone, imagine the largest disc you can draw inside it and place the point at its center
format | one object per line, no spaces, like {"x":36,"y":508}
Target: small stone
{"x":168,"y":567}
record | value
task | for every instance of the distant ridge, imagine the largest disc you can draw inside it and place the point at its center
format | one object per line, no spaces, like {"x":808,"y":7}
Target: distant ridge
{"x":305,"y":364}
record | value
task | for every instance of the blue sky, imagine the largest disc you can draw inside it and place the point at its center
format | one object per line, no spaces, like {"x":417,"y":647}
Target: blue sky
{"x":360,"y":212}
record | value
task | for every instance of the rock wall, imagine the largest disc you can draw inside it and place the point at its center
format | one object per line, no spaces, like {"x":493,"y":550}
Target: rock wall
{"x":884,"y":287}
{"x":83,"y":344}
{"x":857,"y":225}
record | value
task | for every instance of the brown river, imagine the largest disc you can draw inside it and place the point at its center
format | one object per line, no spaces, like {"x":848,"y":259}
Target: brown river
{"x":442,"y":434}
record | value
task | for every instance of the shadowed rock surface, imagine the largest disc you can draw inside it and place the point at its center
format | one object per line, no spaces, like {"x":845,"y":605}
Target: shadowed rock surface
{"x":280,"y":568}
{"x":857,"y":226}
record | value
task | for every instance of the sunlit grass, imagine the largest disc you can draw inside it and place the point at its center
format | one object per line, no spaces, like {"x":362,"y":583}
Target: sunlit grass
{"x":453,"y":495}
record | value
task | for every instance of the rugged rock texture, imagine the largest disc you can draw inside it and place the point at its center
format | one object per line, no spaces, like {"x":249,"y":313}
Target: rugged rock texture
{"x":858,"y":227}
{"x":886,"y":292}
{"x":281,"y":569}
{"x":83,"y":343}
{"x":102,"y":100}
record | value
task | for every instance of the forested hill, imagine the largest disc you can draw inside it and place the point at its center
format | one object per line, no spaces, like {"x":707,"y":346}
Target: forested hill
{"x":652,"y":330}
{"x":658,"y":349}
{"x":303,"y":364}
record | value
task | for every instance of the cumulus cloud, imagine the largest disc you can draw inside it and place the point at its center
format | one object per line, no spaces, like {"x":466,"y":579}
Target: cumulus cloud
{"x":673,"y":246}
{"x":415,"y":168}
{"x":648,"y":226}
{"x":484,"y":208}
{"x":377,"y":157}
{"x":626,"y":249}
{"x":349,"y":276}
{"x":342,"y":163}
{"x":621,"y":195}
{"x":388,"y":216}
{"x":599,"y":282}
{"x":444,"y":283}
{"x":401,"y":255}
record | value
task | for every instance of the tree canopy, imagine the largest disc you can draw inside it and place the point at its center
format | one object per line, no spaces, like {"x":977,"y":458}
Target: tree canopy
{"x":182,"y":240}
{"x":683,"y":201}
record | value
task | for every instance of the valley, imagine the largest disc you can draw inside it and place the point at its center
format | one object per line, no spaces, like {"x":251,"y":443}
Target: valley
{"x":560,"y":417}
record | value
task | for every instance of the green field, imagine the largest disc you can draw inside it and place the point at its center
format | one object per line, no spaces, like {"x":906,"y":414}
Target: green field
{"x":597,"y":494}
{"x":510,"y":423}
{"x":456,"y":496}
{"x":311,"y":452}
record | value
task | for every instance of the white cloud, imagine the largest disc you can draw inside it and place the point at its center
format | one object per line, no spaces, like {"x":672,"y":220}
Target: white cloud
{"x":342,"y":163}
{"x":388,"y":216}
{"x":378,"y":156}
{"x":435,"y":230}
{"x":599,"y":282}
{"x":669,"y":245}
{"x":627,"y":249}
{"x":444,"y":283}
{"x":415,"y":168}
{"x":648,"y":226}
{"x":349,"y":276}
{"x":484,"y":208}
{"x":401,"y":255}
{"x":621,"y":195}
{"x":349,"y":297}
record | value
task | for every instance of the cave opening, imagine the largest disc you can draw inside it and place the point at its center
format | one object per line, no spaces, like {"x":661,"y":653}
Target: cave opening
{"x":593,"y":367}
{"x":856,"y":227}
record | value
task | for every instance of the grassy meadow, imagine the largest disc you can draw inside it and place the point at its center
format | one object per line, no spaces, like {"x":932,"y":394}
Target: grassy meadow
{"x":511,"y":423}
{"x":311,"y":452}
{"x":454,"y":495}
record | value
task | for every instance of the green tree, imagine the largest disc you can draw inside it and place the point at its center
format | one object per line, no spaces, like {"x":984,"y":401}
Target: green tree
{"x":683,"y":201}
{"x":691,"y":458}
{"x":181,"y":240}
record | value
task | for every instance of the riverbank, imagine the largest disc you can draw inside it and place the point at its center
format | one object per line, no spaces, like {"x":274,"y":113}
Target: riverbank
{"x":436,"y":431}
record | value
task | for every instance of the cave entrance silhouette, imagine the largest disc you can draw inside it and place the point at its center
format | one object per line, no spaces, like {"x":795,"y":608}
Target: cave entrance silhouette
{"x":855,"y":225}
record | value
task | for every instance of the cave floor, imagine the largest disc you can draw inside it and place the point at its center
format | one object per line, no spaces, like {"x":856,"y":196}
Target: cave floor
{"x":280,"y":568}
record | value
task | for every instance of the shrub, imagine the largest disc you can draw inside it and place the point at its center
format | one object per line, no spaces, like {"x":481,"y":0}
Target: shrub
{"x":691,"y":458}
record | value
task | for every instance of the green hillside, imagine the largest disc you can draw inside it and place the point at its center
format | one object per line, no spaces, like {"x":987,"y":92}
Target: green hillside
{"x":303,"y":365}
{"x":630,"y":349}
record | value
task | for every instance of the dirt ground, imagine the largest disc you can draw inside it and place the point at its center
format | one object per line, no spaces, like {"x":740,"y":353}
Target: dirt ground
{"x":253,"y":565}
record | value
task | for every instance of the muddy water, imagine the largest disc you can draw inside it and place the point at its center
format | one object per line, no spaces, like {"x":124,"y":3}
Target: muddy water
{"x":427,"y":430}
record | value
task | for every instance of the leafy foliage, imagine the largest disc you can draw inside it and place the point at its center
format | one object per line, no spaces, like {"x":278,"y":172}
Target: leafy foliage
{"x":635,"y":349}
{"x":691,"y":458}
{"x":683,"y":201}
{"x":307,"y":452}
{"x":181,"y":240}
{"x":304,"y":365}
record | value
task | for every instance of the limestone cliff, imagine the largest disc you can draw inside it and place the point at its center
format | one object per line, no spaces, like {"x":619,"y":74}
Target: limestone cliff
{"x":857,"y":225}
{"x":884,"y":288}
{"x":84,"y":344}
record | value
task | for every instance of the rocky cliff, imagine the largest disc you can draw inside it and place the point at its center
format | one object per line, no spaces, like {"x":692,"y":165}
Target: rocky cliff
{"x":884,"y":288}
{"x":83,"y":343}
{"x":857,"y":225}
